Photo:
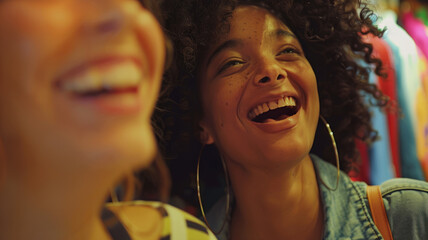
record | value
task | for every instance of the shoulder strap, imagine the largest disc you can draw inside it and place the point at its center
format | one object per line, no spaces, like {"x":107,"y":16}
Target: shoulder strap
{"x":114,"y":226}
{"x":378,"y":211}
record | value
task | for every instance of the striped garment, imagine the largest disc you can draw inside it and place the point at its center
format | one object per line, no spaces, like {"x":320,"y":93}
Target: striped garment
{"x":176,"y":224}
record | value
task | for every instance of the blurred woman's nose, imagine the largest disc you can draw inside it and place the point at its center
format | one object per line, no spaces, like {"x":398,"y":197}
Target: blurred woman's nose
{"x":269,"y":72}
{"x":106,"y":17}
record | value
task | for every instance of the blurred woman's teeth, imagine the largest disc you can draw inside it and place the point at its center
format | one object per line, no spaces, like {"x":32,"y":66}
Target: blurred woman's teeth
{"x":116,"y":77}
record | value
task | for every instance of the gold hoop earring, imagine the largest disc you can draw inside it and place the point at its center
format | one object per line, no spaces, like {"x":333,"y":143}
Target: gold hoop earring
{"x":113,"y":196}
{"x":128,"y":185}
{"x":336,"y":153}
{"x":227,"y":194}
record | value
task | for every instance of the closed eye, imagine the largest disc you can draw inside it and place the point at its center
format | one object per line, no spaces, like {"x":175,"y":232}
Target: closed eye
{"x":289,"y":50}
{"x":230,"y":64}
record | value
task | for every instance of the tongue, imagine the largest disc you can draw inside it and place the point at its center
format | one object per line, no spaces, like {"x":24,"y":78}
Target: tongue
{"x":282,"y":117}
{"x":270,"y":120}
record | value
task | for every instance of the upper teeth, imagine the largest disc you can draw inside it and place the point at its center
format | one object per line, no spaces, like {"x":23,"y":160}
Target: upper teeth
{"x":120,"y":76}
{"x":264,"y":107}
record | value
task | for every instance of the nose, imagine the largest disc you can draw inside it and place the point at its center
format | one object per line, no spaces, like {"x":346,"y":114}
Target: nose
{"x":269,"y":73}
{"x":107,"y":17}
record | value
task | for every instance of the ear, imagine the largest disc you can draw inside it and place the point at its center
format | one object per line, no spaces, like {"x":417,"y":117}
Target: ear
{"x":205,"y":135}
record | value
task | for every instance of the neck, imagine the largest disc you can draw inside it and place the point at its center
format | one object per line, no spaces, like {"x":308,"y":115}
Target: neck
{"x":285,"y":205}
{"x":66,"y":212}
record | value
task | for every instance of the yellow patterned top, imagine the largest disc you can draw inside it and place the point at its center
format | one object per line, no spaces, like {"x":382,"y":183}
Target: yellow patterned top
{"x":121,"y":220}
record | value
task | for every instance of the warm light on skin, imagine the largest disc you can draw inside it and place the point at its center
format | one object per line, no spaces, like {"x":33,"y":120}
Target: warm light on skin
{"x":257,"y":46}
{"x":59,"y":148}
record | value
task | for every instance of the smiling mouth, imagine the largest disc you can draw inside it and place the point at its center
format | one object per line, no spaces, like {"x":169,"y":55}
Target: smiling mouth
{"x":97,"y":82}
{"x":105,"y":91}
{"x":274,"y":110}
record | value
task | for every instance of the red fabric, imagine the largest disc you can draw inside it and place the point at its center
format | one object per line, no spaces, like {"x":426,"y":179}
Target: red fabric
{"x":364,"y":166}
{"x":388,"y":87}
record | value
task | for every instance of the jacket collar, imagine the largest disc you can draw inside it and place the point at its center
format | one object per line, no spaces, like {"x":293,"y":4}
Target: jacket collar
{"x":346,"y":215}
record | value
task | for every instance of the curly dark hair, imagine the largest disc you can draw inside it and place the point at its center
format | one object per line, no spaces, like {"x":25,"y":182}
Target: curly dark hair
{"x":330,"y":32}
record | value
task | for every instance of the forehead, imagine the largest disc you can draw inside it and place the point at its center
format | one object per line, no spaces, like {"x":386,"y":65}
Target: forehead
{"x":252,"y":26}
{"x":253,"y":21}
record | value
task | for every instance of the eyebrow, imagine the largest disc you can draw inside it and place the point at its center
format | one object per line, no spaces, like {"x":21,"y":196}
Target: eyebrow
{"x":227,"y":44}
{"x":283,"y":33}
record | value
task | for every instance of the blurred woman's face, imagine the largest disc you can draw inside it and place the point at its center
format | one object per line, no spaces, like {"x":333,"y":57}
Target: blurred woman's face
{"x":78,"y":83}
{"x":259,"y":92}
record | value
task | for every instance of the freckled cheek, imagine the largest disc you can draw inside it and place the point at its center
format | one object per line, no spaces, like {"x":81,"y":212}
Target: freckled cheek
{"x":232,"y":92}
{"x":225,"y":101}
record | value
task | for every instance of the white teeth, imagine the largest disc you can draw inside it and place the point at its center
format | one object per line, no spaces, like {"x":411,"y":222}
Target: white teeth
{"x":121,"y":76}
{"x":260,"y":108}
{"x":281,"y":102}
{"x":292,"y":102}
{"x":264,"y":107}
{"x":272,"y":105}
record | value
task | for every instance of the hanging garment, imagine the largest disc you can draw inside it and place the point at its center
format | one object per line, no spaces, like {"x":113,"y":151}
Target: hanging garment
{"x":408,"y":82}
{"x":381,"y":166}
{"x":387,"y":85}
{"x":419,"y":32}
{"x":416,"y":29}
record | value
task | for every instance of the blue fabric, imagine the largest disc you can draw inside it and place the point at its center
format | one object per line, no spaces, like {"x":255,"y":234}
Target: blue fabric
{"x":381,"y":166}
{"x":347,"y":213}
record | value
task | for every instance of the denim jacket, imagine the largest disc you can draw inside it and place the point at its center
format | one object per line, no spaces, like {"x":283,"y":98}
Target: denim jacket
{"x":346,"y":210}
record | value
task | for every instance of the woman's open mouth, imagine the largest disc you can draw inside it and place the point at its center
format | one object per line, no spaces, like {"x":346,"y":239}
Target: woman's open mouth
{"x":99,"y":80}
{"x":104,"y":91}
{"x":110,"y":85}
{"x":276,"y":110}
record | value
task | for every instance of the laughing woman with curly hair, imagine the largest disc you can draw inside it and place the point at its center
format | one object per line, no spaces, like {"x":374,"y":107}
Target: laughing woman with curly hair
{"x":258,"y":81}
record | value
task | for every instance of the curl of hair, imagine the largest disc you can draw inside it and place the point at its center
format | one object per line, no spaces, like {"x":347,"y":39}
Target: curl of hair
{"x":330,"y":32}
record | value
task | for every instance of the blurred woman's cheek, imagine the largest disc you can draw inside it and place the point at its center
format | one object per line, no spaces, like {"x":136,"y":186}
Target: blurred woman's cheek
{"x":32,"y":42}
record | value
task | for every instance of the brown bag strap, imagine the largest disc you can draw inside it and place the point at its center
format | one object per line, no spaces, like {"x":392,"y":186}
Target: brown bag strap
{"x":378,"y":211}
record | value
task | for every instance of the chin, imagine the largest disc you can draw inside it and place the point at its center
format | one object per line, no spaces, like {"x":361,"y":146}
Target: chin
{"x":126,"y":150}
